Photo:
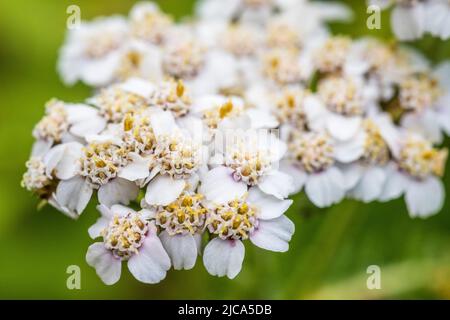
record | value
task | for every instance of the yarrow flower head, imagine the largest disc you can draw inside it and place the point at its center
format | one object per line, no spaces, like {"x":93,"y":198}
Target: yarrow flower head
{"x":198,"y":131}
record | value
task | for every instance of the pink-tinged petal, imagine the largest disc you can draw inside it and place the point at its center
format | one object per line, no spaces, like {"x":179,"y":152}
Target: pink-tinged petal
{"x":274,"y":235}
{"x":118,"y":191}
{"x":219,"y":186}
{"x":107,"y":267}
{"x":224,"y":257}
{"x":97,"y":228}
{"x":151,"y":263}
{"x":182,"y":250}
{"x":425,"y":198}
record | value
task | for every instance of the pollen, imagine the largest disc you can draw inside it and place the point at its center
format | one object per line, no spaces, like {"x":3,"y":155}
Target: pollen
{"x":186,"y":215}
{"x":241,"y":40}
{"x":341,"y":96}
{"x":289,"y":107}
{"x":184,"y":60}
{"x":418,"y":93}
{"x":114,"y":103}
{"x":311,"y":151}
{"x":235,"y":220}
{"x":99,"y":45}
{"x":101,"y":162}
{"x":125,"y":235}
{"x":35,"y":179}
{"x":177,"y":156}
{"x":54,"y":124}
{"x":137,"y":134}
{"x":419,"y":159}
{"x":152,"y":27}
{"x":130,"y":65}
{"x":172,"y":96}
{"x":282,"y":67}
{"x":214,"y":115}
{"x":249,"y":164}
{"x":331,"y":56}
{"x":376,"y":150}
{"x":282,"y":35}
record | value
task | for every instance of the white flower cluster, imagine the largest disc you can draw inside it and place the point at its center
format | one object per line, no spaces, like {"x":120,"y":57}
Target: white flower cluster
{"x":199,"y":132}
{"x":412,"y":19}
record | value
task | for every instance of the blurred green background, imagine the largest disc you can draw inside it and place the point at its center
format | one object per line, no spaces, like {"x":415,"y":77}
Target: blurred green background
{"x":329,"y":253}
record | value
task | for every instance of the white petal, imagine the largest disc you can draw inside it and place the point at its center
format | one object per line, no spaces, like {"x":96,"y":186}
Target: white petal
{"x":274,"y":235}
{"x":262,"y":119}
{"x":64,"y":160}
{"x":352,"y":174}
{"x":219,"y":186}
{"x":162,"y":122}
{"x":100,"y":72}
{"x":350,"y":150}
{"x":96,"y":229}
{"x":326,"y":188}
{"x":182,"y":250}
{"x":138,"y":168}
{"x":425,"y":198}
{"x":269,"y":207}
{"x":119,"y":210}
{"x":408,"y":21}
{"x":299,"y":176}
{"x":442,"y":73}
{"x":138,"y":86}
{"x":74,"y":194}
{"x":107,"y":267}
{"x":277,"y":184}
{"x":395,"y":185}
{"x":118,"y":191}
{"x":151,"y":263}
{"x":52,"y":158}
{"x":437,"y":12}
{"x":343,"y":128}
{"x":383,"y":4}
{"x":89,"y":126}
{"x":316,"y":113}
{"x":41,"y":147}
{"x":164,"y":190}
{"x":224,"y":257}
{"x":371,"y":185}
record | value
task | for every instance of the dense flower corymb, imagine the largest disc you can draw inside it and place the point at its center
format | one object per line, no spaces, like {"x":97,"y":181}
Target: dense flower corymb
{"x":199,"y":131}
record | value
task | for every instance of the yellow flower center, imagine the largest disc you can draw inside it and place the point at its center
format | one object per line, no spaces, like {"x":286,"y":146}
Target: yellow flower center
{"x":419,"y":159}
{"x":186,"y":215}
{"x":235,"y":220}
{"x":313,"y":152}
{"x":125,"y":235}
